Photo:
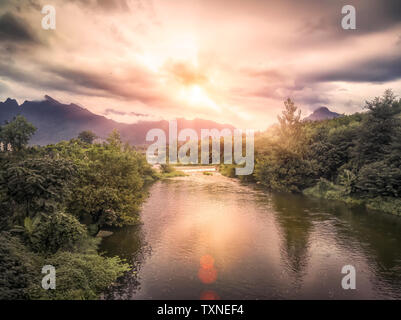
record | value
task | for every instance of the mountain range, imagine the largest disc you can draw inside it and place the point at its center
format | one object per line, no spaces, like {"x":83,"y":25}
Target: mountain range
{"x":322,"y":113}
{"x":56,"y":121}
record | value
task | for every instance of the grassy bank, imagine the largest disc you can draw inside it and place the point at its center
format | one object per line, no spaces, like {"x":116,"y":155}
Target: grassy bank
{"x":327,"y":190}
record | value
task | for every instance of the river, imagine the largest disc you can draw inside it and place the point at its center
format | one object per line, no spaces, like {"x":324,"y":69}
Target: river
{"x":209,"y":237}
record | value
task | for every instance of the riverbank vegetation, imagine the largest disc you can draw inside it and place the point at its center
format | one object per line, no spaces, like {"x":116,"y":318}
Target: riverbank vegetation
{"x":53,"y":202}
{"x":168,"y":171}
{"x":355,"y":158}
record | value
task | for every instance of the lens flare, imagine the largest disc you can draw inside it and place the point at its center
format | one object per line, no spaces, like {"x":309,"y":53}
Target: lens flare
{"x":207,"y":261}
{"x":209,"y":295}
{"x":207,"y":272}
{"x":207,"y":276}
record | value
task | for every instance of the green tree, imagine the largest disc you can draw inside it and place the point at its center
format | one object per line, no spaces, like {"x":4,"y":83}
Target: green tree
{"x":378,"y":129}
{"x":17,"y":133}
{"x":87,"y":136}
{"x":290,"y":129}
{"x":285,"y":171}
{"x":283,"y":166}
{"x":114,"y":139}
{"x":80,"y":276}
{"x":36,"y":185}
{"x":58,"y":231}
{"x":110,"y":187}
{"x":18,"y":268}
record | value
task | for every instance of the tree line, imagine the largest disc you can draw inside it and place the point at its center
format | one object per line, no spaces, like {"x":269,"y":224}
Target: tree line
{"x":53,"y":202}
{"x":356,"y":158}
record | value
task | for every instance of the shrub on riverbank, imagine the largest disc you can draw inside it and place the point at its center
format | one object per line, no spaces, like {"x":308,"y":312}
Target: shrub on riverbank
{"x":53,"y":201}
{"x":327,"y":190}
{"x":168,"y":171}
{"x":80,"y":276}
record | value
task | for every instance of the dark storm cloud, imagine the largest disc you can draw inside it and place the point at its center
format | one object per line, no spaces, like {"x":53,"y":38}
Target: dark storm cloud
{"x":375,"y":70}
{"x":19,"y":5}
{"x":40,"y":80}
{"x":371,"y":15}
{"x":15,"y":29}
{"x":312,"y":99}
{"x":103,"y":84}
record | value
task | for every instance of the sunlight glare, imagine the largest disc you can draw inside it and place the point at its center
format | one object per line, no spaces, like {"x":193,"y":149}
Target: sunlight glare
{"x":195,"y":95}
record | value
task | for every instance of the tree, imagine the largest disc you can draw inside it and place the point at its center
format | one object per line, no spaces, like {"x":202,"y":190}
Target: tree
{"x":36,"y":185}
{"x":58,"y":231}
{"x":378,"y":129}
{"x":18,"y":267}
{"x":379,"y":179}
{"x":114,"y":139}
{"x":17,"y":133}
{"x":110,"y":188}
{"x":285,"y":171}
{"x":87,"y":136}
{"x":283,"y":165}
{"x":290,"y":124}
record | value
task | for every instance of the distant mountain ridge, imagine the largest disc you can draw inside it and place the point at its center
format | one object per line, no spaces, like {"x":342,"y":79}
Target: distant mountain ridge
{"x":56,"y":121}
{"x":322,"y":113}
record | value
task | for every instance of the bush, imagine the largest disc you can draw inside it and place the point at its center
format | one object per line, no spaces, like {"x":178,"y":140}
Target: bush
{"x":18,"y":268}
{"x":379,"y":179}
{"x":227,"y":170}
{"x":111,"y":183}
{"x":325,"y":189}
{"x":80,"y":276}
{"x":284,"y":171}
{"x":166,"y":168}
{"x":58,"y":232}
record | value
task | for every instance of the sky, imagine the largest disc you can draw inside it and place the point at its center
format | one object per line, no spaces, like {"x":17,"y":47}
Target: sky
{"x":231,"y":61}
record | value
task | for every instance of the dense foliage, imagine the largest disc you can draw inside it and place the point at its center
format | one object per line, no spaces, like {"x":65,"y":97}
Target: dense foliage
{"x":54,"y":200}
{"x":355,"y":158}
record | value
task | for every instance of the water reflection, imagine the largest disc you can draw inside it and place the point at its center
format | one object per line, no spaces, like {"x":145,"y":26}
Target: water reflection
{"x":296,"y":227}
{"x":208,"y":237}
{"x":127,"y":243}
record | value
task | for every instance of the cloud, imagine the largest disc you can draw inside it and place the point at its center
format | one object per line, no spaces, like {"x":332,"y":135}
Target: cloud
{"x":379,"y":69}
{"x":246,"y":56}
{"x":15,"y":29}
{"x":101,"y":83}
{"x":3,"y":87}
{"x":268,"y":74}
{"x":20,"y":5}
{"x":110,"y":111}
{"x":107,"y":5}
{"x":185,"y":73}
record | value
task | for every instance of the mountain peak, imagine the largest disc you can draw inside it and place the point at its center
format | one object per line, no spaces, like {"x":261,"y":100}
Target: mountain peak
{"x":50,"y":99}
{"x":11,"y":102}
{"x":322,"y":113}
{"x":322,"y":109}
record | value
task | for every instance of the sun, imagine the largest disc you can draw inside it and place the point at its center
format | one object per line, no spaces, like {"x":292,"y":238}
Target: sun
{"x":197,"y":96}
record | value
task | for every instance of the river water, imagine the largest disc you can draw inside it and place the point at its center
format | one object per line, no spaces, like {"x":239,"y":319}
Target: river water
{"x":209,"y":237}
